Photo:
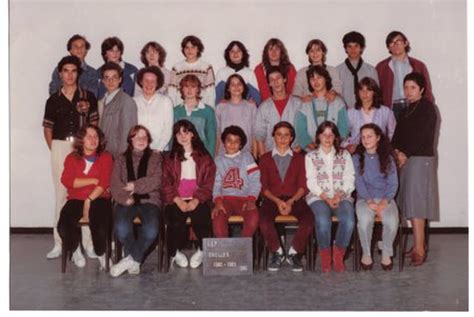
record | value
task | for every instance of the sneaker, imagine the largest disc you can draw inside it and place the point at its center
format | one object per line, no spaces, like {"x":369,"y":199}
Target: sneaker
{"x":102,"y":262}
{"x":196,"y":259}
{"x":90,"y":252}
{"x":295,"y":262}
{"x":276,"y":261}
{"x":78,"y":258}
{"x":55,"y":252}
{"x":135,"y":269}
{"x":180,"y":259}
{"x":125,"y":264}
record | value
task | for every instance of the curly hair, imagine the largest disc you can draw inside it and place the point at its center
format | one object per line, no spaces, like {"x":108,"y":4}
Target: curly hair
{"x":237,"y":131}
{"x":371,"y":85}
{"x":285,"y":62}
{"x":384,"y":150}
{"x":152,"y":70}
{"x":78,"y":145}
{"x":337,"y":136}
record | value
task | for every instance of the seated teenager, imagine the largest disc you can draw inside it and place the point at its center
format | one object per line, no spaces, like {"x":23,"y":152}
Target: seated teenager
{"x":330,"y":180}
{"x":283,"y":189}
{"x":376,"y":182}
{"x":237,"y":185}
{"x":86,"y":177}
{"x":135,"y":187}
{"x":187,"y":183}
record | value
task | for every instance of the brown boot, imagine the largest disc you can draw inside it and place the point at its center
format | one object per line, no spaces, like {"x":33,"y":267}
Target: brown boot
{"x":325,"y":255}
{"x":338,"y":258}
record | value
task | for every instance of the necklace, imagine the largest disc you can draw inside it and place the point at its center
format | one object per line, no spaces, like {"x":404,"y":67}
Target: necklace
{"x":412,"y":109}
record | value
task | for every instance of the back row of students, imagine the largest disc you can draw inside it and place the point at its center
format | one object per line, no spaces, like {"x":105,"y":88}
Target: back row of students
{"x":389,"y":73}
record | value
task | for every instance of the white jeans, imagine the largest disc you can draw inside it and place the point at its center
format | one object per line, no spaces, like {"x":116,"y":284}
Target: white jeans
{"x":365,"y":226}
{"x":59,"y":150}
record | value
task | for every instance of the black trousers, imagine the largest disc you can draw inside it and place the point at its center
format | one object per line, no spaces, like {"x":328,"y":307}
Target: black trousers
{"x":100,"y":220}
{"x":176,"y":220}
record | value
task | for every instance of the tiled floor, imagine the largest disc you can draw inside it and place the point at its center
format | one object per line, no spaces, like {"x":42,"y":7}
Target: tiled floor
{"x":440,"y":284}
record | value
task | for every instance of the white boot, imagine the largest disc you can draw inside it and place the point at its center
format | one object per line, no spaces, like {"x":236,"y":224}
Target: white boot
{"x":102,"y":262}
{"x":180,"y":259}
{"x":125,"y":264}
{"x":78,"y":258}
{"x":196,"y":259}
{"x":55,"y":252}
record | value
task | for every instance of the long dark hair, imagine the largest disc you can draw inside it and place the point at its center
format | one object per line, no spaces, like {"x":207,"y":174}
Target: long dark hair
{"x":78,"y":145}
{"x":245,"y":92}
{"x":285,"y":63}
{"x":372,"y":85}
{"x":241,"y":46}
{"x":337,"y":136}
{"x":384,"y":150}
{"x":177,"y":150}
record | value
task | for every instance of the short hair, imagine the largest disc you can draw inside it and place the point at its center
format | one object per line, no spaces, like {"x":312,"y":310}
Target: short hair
{"x":285,"y":62}
{"x":195,"y":41}
{"x":320,"y":44}
{"x":111,"y":66}
{"x":155,"y":70}
{"x":372,"y":85}
{"x":354,"y":37}
{"x":337,"y":136}
{"x":78,"y":145}
{"x":237,"y":131}
{"x":227,"y":86}
{"x":133,"y":132}
{"x":284,"y":124}
{"x":321,"y":71}
{"x":274,"y":69}
{"x":77,"y":37}
{"x":70,"y":59}
{"x":109,"y":44}
{"x":241,"y":46}
{"x":190,"y":79}
{"x":393,"y":35}
{"x":418,"y":78}
{"x":157,"y":47}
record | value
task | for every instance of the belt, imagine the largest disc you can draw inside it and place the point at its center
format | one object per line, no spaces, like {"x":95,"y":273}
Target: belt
{"x":68,"y":138}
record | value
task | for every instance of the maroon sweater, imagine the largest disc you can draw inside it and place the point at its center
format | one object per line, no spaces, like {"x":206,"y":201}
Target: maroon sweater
{"x":386,"y":79}
{"x":205,"y":175}
{"x":295,"y":177}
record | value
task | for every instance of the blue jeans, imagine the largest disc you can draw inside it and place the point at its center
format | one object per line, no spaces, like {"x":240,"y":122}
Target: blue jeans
{"x":147,"y":231}
{"x":322,"y":215}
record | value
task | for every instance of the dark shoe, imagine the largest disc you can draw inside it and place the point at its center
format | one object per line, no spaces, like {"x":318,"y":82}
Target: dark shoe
{"x":295,"y":262}
{"x":387,"y":267}
{"x":366,"y":267}
{"x":417,"y":259}
{"x":276,"y":261}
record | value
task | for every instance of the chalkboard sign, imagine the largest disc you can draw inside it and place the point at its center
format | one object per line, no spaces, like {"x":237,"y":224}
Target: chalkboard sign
{"x":227,"y":256}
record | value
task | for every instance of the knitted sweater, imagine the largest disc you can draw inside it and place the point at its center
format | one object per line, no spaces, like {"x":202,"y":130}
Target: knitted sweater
{"x":373,"y":184}
{"x":249,"y":77}
{"x":236,"y":176}
{"x":204,"y":120}
{"x":301,"y":84}
{"x":312,"y":114}
{"x":328,"y":173}
{"x":203,"y":71}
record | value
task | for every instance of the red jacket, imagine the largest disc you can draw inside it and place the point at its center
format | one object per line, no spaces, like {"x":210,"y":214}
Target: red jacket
{"x":205,"y":176}
{"x":265,"y":92}
{"x":386,"y":78}
{"x":74,"y":167}
{"x":295,"y":177}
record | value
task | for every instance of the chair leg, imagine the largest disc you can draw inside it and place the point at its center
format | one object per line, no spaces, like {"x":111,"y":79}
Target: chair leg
{"x":356,"y":249}
{"x":64,"y":257}
{"x":107,"y":252}
{"x":400,"y":247}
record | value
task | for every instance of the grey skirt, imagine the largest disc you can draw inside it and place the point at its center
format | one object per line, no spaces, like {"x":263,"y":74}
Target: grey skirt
{"x":418,"y":193}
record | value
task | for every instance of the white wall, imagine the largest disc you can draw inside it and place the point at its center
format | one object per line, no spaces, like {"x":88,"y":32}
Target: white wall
{"x":39,"y":31}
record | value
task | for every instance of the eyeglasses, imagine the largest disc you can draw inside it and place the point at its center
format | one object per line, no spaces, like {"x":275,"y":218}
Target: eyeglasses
{"x":397,"y":41}
{"x":111,"y":78}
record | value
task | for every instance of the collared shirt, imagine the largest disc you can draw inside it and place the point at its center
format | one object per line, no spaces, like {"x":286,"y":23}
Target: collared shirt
{"x":282,"y":161}
{"x":62,"y":117}
{"x":109,"y":96}
{"x":400,"y":70}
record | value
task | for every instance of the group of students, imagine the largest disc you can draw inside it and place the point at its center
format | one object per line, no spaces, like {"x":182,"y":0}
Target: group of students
{"x":155,"y":152}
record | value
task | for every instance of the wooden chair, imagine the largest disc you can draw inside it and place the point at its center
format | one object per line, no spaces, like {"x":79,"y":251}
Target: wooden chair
{"x":65,"y":254}
{"x":239,"y":220}
{"x":349,"y":249}
{"x":287,"y":220}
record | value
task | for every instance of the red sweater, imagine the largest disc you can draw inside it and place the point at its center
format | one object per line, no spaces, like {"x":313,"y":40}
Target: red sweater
{"x":263,"y":84}
{"x":74,"y":168}
{"x":386,"y":79}
{"x":295,"y":177}
{"x":205,"y":176}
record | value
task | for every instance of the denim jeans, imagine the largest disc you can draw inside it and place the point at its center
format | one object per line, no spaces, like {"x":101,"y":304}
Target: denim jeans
{"x":365,"y":226}
{"x":322,"y":215}
{"x":147,"y":231}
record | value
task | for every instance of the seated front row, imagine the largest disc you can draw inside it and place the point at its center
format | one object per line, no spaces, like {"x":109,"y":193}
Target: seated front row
{"x":311,"y":188}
